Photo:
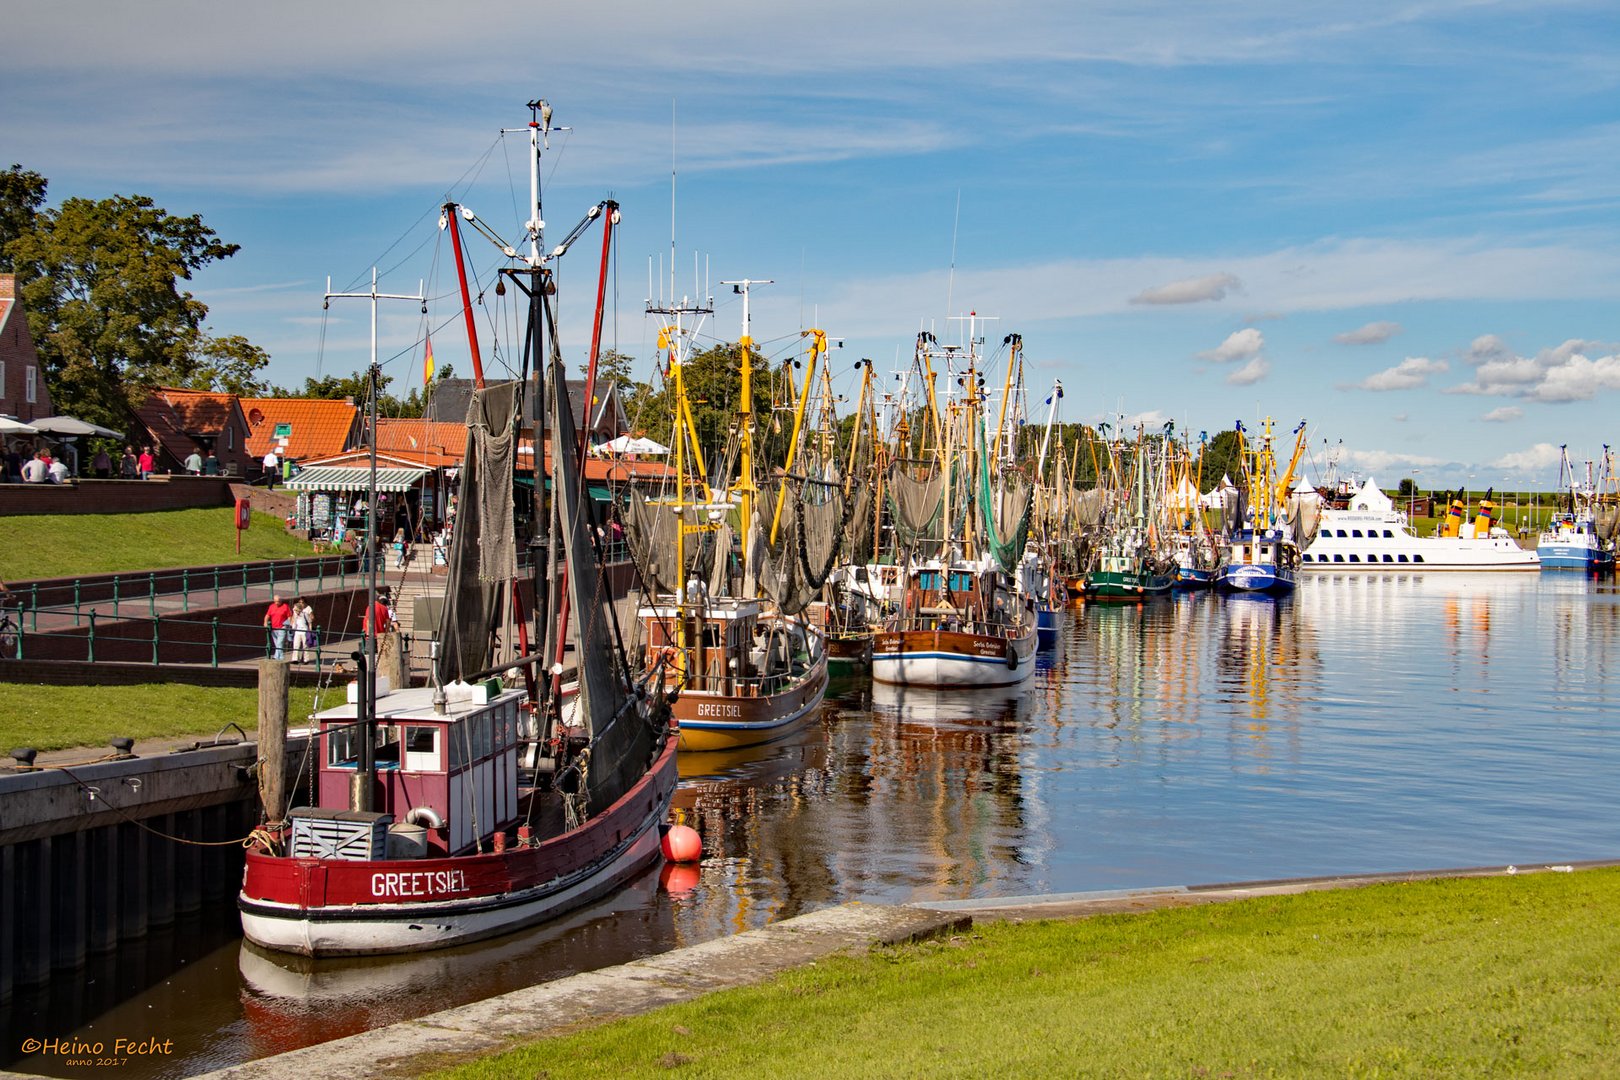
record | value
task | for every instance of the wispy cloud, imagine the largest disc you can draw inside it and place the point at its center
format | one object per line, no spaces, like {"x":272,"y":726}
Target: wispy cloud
{"x":1374,"y":333}
{"x":1191,"y":291}
{"x":1409,"y":374}
{"x":1503,"y":415}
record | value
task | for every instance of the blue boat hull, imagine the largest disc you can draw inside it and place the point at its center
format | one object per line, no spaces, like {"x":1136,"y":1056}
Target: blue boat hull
{"x":1046,"y":627}
{"x":1575,"y":557}
{"x":1256,"y":578}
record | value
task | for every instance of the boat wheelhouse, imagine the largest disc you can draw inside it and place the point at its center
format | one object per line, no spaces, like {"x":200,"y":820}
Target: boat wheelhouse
{"x":961,"y":626}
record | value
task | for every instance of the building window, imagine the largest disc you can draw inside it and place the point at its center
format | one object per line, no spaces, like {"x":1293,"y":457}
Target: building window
{"x":31,"y":385}
{"x":2,"y":380}
{"x":230,"y":437}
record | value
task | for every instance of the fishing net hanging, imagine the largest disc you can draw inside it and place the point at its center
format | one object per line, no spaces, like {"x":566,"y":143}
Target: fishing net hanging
{"x":483,"y":553}
{"x":916,"y":503}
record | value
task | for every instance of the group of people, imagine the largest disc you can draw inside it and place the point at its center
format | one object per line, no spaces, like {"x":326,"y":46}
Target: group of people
{"x":42,"y":468}
{"x":295,"y":621}
{"x":292,"y":626}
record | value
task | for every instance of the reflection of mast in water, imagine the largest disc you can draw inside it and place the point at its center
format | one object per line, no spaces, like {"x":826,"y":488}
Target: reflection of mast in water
{"x":1270,"y":661}
{"x":955,"y":761}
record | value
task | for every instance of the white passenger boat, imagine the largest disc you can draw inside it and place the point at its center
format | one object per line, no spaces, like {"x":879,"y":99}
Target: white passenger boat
{"x":1373,"y":536}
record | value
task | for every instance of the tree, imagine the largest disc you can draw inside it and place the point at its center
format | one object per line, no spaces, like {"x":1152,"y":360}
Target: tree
{"x":100,"y":280}
{"x":1222,"y":458}
{"x":1407,"y":489}
{"x":22,"y":193}
{"x":230,"y":364}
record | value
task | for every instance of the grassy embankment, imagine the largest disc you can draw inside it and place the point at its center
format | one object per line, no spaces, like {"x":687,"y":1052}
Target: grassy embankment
{"x":1474,"y":977}
{"x":58,"y":717}
{"x":67,"y":545}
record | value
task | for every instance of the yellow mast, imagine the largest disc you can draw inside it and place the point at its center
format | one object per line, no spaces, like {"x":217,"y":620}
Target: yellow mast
{"x":818,"y":345}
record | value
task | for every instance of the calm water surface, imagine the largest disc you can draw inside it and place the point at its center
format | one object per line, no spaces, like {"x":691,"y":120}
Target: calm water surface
{"x":1364,"y":724}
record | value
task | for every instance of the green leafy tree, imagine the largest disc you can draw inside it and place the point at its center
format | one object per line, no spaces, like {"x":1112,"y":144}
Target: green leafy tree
{"x":1408,"y":488}
{"x":100,"y":281}
{"x":1222,"y":457}
{"x":22,"y":193}
{"x":231,"y":364}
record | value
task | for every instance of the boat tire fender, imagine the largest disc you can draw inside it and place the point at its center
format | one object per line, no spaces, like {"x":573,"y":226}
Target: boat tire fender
{"x":1012,"y":657}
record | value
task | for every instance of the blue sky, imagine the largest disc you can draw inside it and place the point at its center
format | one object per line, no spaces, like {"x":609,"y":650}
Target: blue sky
{"x":1394,"y":220}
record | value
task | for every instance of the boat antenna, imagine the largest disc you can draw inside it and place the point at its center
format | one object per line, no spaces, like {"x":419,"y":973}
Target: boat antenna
{"x":950,"y":280}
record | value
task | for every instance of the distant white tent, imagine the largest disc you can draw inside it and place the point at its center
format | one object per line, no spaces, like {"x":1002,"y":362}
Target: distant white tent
{"x":1371,"y":497}
{"x":1302,"y":486}
{"x":1184,"y":497}
{"x":626,"y":444}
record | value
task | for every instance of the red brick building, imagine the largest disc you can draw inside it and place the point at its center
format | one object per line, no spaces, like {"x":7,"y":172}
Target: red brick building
{"x":181,"y":421}
{"x":23,"y":393}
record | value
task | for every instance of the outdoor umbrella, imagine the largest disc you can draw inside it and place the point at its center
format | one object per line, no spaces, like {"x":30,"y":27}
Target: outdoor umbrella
{"x":68,"y":425}
{"x":8,"y":426}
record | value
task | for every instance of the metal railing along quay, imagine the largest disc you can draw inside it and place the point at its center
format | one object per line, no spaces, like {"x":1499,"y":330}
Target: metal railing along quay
{"x":197,"y":586}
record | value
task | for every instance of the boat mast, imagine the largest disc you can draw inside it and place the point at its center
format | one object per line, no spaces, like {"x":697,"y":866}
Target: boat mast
{"x":361,"y":795}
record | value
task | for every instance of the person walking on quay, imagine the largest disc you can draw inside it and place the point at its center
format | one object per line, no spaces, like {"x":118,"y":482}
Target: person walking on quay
{"x":272,"y":466}
{"x":276,"y":617}
{"x":194,"y":463}
{"x":303,"y":630}
{"x":102,"y":465}
{"x":147,"y":463}
{"x":129,"y":468}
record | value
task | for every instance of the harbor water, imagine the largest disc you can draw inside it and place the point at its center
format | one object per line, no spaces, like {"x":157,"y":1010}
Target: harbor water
{"x":1363,"y":724}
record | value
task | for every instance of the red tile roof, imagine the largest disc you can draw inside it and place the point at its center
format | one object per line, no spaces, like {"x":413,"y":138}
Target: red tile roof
{"x":316,"y":427}
{"x":431,"y":442}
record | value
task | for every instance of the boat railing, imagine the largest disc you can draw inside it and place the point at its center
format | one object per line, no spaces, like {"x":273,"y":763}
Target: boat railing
{"x":746,"y":685}
{"x":950,"y":623}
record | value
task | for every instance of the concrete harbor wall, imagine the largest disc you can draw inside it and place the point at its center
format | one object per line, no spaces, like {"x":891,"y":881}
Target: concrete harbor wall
{"x":99,"y":853}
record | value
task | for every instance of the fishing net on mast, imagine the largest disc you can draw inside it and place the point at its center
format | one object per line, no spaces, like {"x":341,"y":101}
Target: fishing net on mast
{"x":483,"y":552}
{"x":623,"y":732}
{"x":916,"y":503}
{"x":651,"y":529}
{"x":1607,"y":522}
{"x":792,"y":570}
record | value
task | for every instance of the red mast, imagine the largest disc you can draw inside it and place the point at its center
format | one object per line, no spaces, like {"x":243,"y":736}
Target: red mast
{"x":452,"y":212}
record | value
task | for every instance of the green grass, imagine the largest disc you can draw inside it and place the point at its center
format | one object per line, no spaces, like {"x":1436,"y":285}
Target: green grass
{"x":58,"y":717}
{"x":68,"y":545}
{"x":1474,"y":977}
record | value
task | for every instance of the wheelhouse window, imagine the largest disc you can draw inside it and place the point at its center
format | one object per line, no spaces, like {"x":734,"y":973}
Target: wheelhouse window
{"x":421,"y":748}
{"x":343,"y":746}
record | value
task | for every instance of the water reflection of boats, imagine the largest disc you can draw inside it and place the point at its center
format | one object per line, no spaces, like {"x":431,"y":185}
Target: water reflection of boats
{"x":291,"y":1001}
{"x":935,"y":708}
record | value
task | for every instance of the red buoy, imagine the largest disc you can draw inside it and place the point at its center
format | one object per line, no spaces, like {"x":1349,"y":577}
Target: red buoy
{"x":682,"y":844}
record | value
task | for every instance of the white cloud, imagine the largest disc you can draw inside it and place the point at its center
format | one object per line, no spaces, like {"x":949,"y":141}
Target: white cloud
{"x":1153,"y":420}
{"x":1503,"y":414}
{"x":1539,"y":456}
{"x":1560,"y":374}
{"x":1190,"y":291}
{"x":1409,"y":374}
{"x":1373,"y":333}
{"x":1239,"y":345}
{"x":1250,"y":373}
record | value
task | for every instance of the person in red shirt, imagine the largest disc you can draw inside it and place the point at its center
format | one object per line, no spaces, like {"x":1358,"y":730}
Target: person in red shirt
{"x":380,"y":613}
{"x":276,"y":617}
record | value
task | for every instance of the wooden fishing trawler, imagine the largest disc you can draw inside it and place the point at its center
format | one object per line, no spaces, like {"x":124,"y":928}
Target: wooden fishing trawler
{"x":743,"y":662}
{"x":460,"y":811}
{"x":962,"y":621}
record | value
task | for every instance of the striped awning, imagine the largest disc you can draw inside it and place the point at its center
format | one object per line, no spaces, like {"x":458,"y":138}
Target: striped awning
{"x":355,"y":478}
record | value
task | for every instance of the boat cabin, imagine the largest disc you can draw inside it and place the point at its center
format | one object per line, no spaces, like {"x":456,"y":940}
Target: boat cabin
{"x":453,"y":774}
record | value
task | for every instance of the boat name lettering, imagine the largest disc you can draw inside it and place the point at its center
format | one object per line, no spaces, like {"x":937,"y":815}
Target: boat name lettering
{"x":719,"y":710}
{"x":419,"y":883}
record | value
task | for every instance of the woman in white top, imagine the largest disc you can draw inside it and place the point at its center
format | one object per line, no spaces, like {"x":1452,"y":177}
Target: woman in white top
{"x":303,"y":629}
